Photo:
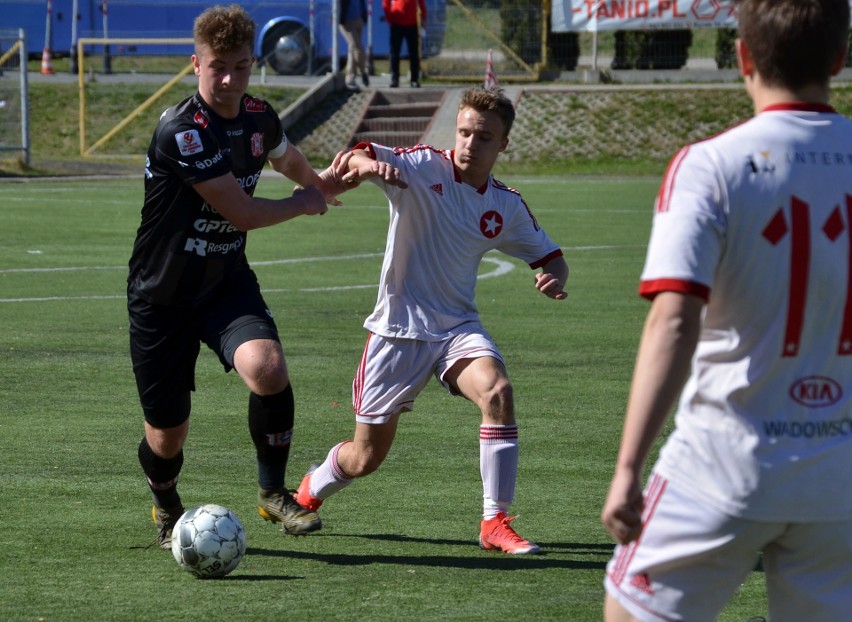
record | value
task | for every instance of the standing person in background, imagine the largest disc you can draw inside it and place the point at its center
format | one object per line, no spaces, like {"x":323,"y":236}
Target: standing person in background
{"x":189,"y":280}
{"x":447,"y":211}
{"x":749,"y":268}
{"x":353,"y":16}
{"x":404,"y":23}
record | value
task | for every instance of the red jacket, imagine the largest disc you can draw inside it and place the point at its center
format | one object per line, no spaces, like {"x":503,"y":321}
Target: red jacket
{"x":404,"y":12}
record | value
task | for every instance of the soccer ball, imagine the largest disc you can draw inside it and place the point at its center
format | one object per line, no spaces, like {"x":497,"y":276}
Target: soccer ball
{"x":208,"y":541}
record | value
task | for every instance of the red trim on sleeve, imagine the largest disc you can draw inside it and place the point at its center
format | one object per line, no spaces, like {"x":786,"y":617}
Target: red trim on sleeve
{"x":650,"y":289}
{"x":368,"y":147}
{"x":664,"y":194}
{"x":543,"y":261}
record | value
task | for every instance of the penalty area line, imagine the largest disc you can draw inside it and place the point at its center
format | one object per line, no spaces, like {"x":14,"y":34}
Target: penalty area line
{"x":272,"y":262}
{"x":501,"y":267}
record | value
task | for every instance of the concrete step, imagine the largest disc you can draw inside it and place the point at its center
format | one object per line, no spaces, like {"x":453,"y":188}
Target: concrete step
{"x":418,"y":109}
{"x":389,"y":139}
{"x":397,"y":118}
{"x":393,"y":124}
{"x":408,"y":96}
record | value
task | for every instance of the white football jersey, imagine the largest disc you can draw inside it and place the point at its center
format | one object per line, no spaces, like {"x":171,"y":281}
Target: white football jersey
{"x":757,"y":221}
{"x":439,"y":230}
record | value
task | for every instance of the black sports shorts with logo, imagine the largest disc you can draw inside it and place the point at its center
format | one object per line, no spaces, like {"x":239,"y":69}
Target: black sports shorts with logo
{"x":165,"y":342}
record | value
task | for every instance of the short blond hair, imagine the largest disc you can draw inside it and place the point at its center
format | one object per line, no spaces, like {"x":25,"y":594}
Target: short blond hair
{"x":493,"y":99}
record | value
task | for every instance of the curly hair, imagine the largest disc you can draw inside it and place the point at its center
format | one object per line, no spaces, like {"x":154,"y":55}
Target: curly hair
{"x":493,"y":99}
{"x":224,"y":29}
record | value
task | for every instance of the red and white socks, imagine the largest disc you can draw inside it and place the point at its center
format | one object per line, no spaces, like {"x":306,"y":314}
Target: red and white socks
{"x":498,"y":465}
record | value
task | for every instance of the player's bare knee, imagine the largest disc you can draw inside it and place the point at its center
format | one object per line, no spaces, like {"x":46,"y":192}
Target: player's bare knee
{"x":498,"y":402}
{"x":166,"y":442}
{"x":264,"y":375}
{"x":269,"y":381}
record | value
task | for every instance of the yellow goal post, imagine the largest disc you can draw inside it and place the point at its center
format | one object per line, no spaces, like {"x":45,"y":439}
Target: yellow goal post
{"x":88,"y":150}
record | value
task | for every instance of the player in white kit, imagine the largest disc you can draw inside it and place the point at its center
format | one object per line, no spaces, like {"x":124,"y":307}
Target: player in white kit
{"x":446,"y":212}
{"x":749,"y":268}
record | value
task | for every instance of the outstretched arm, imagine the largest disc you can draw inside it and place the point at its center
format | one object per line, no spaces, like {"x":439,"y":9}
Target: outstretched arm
{"x":294,"y":166}
{"x":662,"y":366}
{"x":246,"y":212}
{"x":359,"y":167}
{"x":350,"y":168}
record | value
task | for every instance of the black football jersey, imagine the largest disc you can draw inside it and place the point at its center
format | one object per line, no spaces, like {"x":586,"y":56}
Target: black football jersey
{"x":184,"y":249}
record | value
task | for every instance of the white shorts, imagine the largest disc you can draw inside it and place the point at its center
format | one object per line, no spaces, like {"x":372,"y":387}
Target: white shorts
{"x":691,"y":559}
{"x":393,"y":372}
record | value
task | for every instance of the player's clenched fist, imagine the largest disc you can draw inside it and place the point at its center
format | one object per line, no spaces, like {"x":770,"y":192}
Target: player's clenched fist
{"x":550,"y":286}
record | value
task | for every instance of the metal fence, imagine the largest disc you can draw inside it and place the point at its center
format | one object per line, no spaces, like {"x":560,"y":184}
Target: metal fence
{"x":14,"y":104}
{"x":524,"y":48}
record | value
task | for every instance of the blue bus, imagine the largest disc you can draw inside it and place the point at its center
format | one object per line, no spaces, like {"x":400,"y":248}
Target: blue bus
{"x":293,"y":37}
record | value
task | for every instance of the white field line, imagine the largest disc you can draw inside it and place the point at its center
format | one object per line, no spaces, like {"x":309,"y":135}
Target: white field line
{"x":272,"y":262}
{"x":501,"y":267}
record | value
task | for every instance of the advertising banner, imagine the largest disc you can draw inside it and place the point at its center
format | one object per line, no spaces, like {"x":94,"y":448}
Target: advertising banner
{"x":600,"y":15}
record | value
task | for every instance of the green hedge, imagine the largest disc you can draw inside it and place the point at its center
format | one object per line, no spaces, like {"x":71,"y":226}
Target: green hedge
{"x":521,"y":31}
{"x":725,"y":54}
{"x":658,"y":49}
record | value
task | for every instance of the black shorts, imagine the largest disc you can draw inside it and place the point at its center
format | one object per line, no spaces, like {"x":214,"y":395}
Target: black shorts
{"x":165,"y":342}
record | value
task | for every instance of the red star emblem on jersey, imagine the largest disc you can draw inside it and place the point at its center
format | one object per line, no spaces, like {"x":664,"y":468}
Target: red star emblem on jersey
{"x":491,"y":224}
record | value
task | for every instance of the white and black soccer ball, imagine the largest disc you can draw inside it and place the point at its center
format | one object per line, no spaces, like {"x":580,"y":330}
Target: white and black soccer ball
{"x":208,"y":541}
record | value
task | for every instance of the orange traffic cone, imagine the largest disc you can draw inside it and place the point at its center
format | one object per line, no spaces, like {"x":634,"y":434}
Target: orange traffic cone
{"x":46,"y":65}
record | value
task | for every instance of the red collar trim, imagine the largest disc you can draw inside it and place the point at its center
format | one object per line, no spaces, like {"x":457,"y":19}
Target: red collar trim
{"x":456,"y":173}
{"x":800,"y":107}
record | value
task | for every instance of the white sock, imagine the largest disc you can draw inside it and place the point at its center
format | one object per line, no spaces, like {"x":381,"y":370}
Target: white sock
{"x":498,"y":465}
{"x":329,"y":478}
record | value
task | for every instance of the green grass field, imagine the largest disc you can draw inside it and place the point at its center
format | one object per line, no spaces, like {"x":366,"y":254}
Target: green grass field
{"x":399,"y":545}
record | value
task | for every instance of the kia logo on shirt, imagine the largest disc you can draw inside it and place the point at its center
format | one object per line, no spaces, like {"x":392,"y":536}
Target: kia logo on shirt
{"x":816,"y":391}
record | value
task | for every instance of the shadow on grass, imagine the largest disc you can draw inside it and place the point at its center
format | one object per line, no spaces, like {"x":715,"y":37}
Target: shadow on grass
{"x":552,"y":556}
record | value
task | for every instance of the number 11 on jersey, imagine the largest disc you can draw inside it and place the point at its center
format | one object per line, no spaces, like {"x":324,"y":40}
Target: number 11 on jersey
{"x":799,"y":228}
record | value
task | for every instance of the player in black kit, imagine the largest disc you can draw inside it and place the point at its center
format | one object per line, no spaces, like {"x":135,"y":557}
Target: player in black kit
{"x":189,"y":279}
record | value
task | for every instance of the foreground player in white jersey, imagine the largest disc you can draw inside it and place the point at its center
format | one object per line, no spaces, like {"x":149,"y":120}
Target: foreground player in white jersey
{"x":749,"y":272}
{"x":447,"y":211}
